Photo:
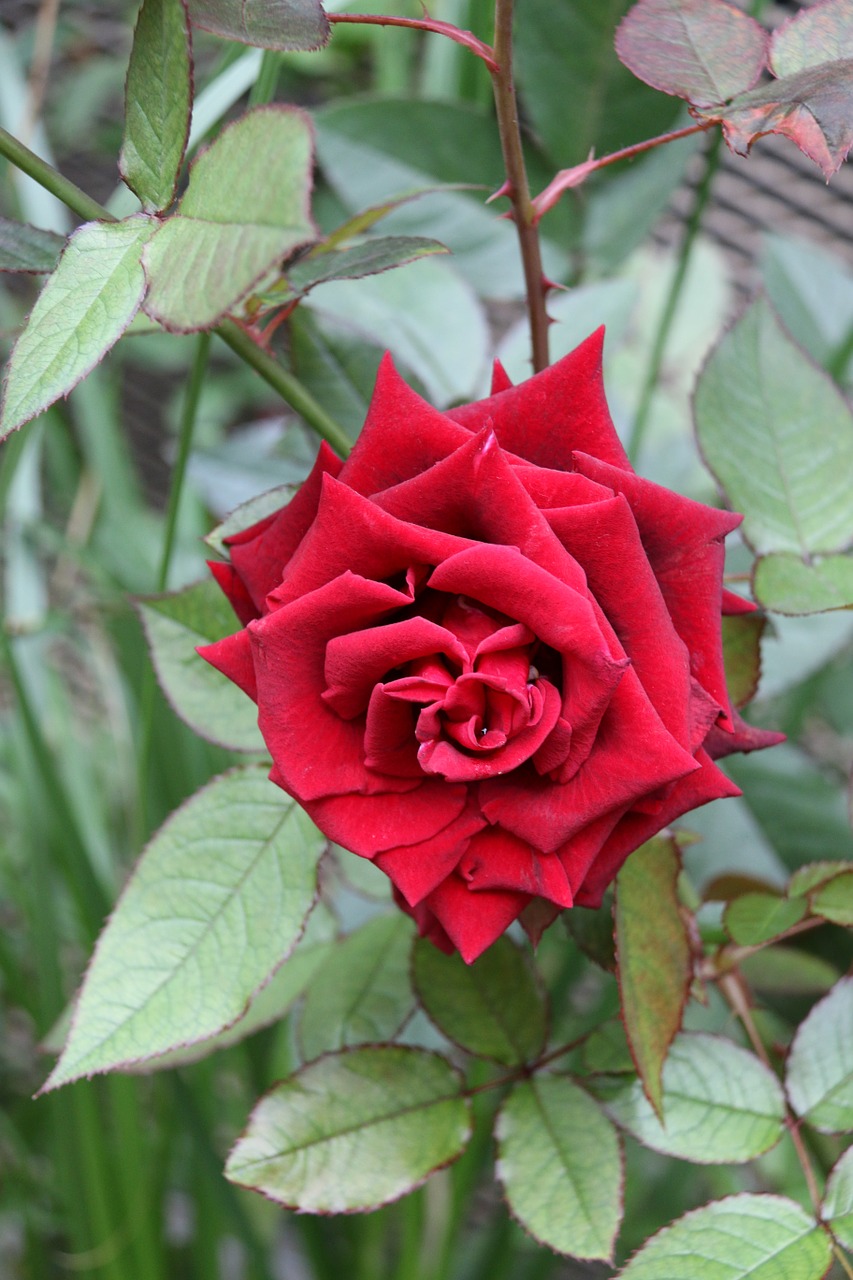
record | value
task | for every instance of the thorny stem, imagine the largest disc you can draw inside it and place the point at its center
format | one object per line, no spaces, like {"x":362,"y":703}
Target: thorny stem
{"x":517,"y":187}
{"x":465,"y":38}
{"x":288,"y":387}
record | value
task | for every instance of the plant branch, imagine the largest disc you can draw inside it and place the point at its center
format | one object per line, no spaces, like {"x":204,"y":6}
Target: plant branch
{"x":466,"y":38}
{"x":288,"y":387}
{"x":568,"y":178}
{"x":517,"y":187}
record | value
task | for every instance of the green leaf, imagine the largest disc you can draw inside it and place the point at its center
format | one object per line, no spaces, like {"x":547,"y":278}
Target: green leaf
{"x":653,"y":953}
{"x":199,"y":694}
{"x":755,"y":918}
{"x":273,"y":1000}
{"x":699,"y":51}
{"x":786,"y":584}
{"x":382,"y":253}
{"x":837,"y":1208}
{"x":814,"y":36}
{"x":268,"y":24}
{"x":82,"y":311}
{"x":247,"y":205}
{"x":606,"y":1050}
{"x":593,"y":931}
{"x":742,"y":655}
{"x":560,"y":1166}
{"x":788,"y":971}
{"x":158,"y":103}
{"x":719,"y":1103}
{"x":26,"y":248}
{"x":820,"y":1063}
{"x":812,"y":292}
{"x":361,"y":991}
{"x":834,"y":900}
{"x":353,"y":1130}
{"x":426,"y":315}
{"x":568,"y":70}
{"x":493,"y":1008}
{"x":745,"y":1237}
{"x":813,"y":874}
{"x":779,"y":438}
{"x":216,"y":903}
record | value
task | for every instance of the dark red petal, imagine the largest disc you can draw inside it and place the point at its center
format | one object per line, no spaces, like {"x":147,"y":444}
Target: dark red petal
{"x":357,"y":661}
{"x":550,"y":488}
{"x":706,"y":784}
{"x":401,"y":437}
{"x":442,"y":757}
{"x":232,"y":585}
{"x":561,"y":409}
{"x":390,"y":745}
{"x":317,"y":753}
{"x":496,"y":859}
{"x":501,"y":380}
{"x":415,"y":870}
{"x":536,"y":917}
{"x":260,"y":553}
{"x":373,"y":824}
{"x":351,"y":533}
{"x":744,"y":737}
{"x":474,"y":920}
{"x":733,"y":604}
{"x":428,"y":926}
{"x":233,"y":657}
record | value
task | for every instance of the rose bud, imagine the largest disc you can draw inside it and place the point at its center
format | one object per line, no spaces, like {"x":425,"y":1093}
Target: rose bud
{"x":486,"y":654}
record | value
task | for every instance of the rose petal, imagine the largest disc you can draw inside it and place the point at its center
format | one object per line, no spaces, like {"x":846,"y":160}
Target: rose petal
{"x":233,"y":657}
{"x":372,"y":824}
{"x":415,"y":870}
{"x":232,"y":585}
{"x":501,"y":380}
{"x":356,"y":662}
{"x":442,"y":757}
{"x":496,"y":859}
{"x":473,"y":921}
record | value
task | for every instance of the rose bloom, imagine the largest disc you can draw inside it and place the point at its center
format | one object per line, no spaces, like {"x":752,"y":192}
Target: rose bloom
{"x":487,"y":655}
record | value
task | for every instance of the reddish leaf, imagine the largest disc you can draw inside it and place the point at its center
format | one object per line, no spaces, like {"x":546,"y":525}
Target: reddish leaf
{"x":821,"y":34}
{"x":702,"y":50}
{"x":269,"y":24}
{"x":814,"y":108}
{"x":742,"y":655}
{"x":653,"y":952}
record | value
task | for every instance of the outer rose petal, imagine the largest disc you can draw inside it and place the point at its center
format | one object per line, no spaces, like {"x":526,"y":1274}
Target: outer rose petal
{"x":416,"y":869}
{"x":233,"y":657}
{"x":234,"y":588}
{"x":495,"y":859}
{"x":368,"y":825}
{"x":473,"y":921}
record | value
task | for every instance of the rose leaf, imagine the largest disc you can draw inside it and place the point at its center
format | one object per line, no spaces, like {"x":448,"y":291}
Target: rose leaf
{"x":28,"y":249}
{"x":704,"y":52}
{"x":560,"y":1164}
{"x":592,"y":930}
{"x":653,"y":953}
{"x":382,"y":253}
{"x":215,"y":904}
{"x":362,"y":991}
{"x":755,"y":918}
{"x":719,"y":1103}
{"x":786,"y":584}
{"x":814,"y":874}
{"x":837,"y":1208}
{"x":83,"y":309}
{"x":823,"y":33}
{"x":211,"y":705}
{"x":742,"y":655}
{"x":820,"y":1064}
{"x":158,"y":102}
{"x":493,"y":1008}
{"x":741,"y":1236}
{"x":834,"y":900}
{"x":778,"y":436}
{"x":353,"y":1130}
{"x":788,"y":971}
{"x":269,"y":24}
{"x":246,"y":207}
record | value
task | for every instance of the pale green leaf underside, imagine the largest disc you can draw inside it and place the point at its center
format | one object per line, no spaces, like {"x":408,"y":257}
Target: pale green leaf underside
{"x":83,"y":309}
{"x":720,"y":1104}
{"x":362,"y":990}
{"x":747,"y":1237}
{"x":157,"y":103}
{"x":26,"y":248}
{"x":215,"y":904}
{"x":269,"y":24}
{"x":820,"y":1064}
{"x":203,"y":698}
{"x":837,"y":1207}
{"x":492,"y":1008}
{"x":786,"y":584}
{"x":353,"y":1130}
{"x":561,"y":1168}
{"x":779,"y":438}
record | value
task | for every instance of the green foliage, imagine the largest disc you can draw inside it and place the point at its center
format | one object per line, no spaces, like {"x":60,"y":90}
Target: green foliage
{"x":272,"y":24}
{"x":819,"y":1076}
{"x":353,"y":1130}
{"x":26,"y":248}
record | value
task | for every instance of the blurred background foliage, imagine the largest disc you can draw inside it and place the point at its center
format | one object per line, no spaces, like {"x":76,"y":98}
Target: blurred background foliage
{"x":120,"y":1179}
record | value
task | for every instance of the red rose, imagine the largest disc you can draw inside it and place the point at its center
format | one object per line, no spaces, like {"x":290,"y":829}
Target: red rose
{"x":487,"y":655}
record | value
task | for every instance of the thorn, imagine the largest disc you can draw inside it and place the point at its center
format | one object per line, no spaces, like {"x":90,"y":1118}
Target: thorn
{"x":504,"y":190}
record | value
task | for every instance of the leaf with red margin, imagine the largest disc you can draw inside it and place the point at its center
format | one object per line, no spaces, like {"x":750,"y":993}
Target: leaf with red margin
{"x":742,"y":655}
{"x":702,"y":50}
{"x":813,"y":37}
{"x":814,"y":108}
{"x":653,"y":955}
{"x":268,"y":24}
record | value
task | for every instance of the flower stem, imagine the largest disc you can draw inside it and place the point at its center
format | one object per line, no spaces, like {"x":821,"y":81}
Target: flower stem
{"x":466,"y":38}
{"x":288,"y":387}
{"x":517,"y":186}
